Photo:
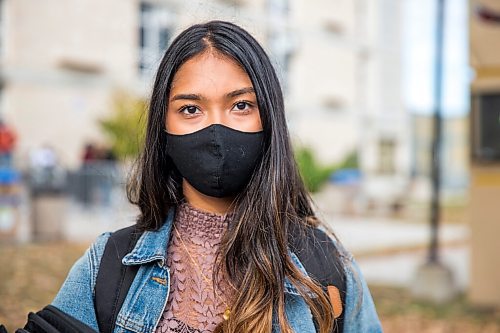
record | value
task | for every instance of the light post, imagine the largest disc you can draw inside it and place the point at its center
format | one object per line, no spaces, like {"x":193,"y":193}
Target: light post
{"x":434,"y":281}
{"x":437,"y":136}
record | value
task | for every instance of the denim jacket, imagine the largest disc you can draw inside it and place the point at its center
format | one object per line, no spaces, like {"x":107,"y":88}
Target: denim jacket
{"x":148,"y":294}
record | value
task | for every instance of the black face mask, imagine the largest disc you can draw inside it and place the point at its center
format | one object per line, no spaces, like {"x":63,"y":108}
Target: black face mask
{"x":217,"y":160}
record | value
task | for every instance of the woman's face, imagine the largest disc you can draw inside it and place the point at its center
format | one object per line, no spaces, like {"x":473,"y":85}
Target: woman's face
{"x":211,"y":89}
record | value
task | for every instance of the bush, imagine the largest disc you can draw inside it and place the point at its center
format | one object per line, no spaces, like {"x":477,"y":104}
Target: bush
{"x":127,"y":125}
{"x":316,"y":175}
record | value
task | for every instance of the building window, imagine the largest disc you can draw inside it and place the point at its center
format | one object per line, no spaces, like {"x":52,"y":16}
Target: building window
{"x":387,"y":155}
{"x":155,"y":31}
{"x":279,"y":37}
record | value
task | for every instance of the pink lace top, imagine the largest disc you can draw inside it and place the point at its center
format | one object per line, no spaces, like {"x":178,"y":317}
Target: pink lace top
{"x":193,"y":306}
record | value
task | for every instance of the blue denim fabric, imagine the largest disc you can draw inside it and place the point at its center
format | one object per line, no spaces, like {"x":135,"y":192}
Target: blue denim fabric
{"x":148,"y":294}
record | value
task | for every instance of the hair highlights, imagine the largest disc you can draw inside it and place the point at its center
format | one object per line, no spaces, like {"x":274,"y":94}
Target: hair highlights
{"x":254,"y":251}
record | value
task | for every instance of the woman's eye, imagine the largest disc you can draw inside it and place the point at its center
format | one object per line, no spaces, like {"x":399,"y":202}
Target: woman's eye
{"x":241,"y":106}
{"x":190,"y":110}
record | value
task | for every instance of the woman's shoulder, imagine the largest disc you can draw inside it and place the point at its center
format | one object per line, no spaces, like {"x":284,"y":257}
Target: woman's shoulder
{"x":318,"y":242}
{"x":85,"y":269}
{"x":75,"y":297}
{"x":321,"y":255}
{"x":327,"y":261}
{"x":100,"y":243}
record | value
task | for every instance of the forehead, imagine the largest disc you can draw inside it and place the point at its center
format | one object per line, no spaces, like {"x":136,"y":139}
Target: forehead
{"x":209,"y":71}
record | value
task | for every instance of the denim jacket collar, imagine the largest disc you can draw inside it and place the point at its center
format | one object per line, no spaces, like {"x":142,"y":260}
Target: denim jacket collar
{"x":152,"y":246}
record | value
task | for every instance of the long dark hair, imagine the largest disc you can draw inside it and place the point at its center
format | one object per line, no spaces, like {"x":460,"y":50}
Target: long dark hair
{"x":254,"y":251}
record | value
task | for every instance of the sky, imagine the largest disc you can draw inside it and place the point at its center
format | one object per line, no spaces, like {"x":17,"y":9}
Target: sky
{"x":419,"y":33}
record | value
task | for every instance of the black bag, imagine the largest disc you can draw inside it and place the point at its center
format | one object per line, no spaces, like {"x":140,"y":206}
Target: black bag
{"x":52,"y":320}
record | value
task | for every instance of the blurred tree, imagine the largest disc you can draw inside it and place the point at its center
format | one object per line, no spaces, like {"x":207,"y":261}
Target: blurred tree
{"x":314,"y":174}
{"x":350,"y":161}
{"x":126,"y":126}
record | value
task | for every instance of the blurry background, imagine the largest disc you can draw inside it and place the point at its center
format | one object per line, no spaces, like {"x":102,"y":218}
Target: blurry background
{"x":359,"y":78}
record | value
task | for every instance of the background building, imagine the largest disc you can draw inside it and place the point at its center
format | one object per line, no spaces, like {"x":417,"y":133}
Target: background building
{"x":342,"y":64}
{"x":484,"y":29}
{"x":60,"y":67}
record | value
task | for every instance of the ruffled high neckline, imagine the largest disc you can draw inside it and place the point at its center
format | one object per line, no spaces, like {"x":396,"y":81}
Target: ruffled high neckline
{"x":192,"y":222}
{"x":195,"y":303}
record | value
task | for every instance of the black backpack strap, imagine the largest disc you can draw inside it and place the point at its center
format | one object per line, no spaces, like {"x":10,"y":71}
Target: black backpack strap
{"x":322,"y":261}
{"x":51,"y":319}
{"x":113,"y":278}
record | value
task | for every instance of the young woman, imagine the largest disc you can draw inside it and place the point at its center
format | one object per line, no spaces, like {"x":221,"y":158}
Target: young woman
{"x":229,"y":242}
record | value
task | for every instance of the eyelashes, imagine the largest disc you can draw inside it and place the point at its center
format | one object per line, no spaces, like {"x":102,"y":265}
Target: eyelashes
{"x":192,"y":110}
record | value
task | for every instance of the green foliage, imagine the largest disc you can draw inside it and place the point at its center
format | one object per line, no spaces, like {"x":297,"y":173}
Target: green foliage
{"x":351,"y":161}
{"x":126,"y":126}
{"x":313,"y":173}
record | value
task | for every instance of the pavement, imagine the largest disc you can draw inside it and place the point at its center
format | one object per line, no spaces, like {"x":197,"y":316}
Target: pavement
{"x":389,"y":251}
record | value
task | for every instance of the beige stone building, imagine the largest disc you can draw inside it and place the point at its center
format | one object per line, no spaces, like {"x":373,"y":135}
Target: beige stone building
{"x":485,"y":152}
{"x":345,"y":77}
{"x":345,"y":90}
{"x":61,"y":61}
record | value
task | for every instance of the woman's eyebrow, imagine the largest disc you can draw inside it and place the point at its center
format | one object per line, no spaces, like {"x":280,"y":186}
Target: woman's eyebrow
{"x":198,"y":97}
{"x":241,"y":91}
{"x":194,"y":97}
